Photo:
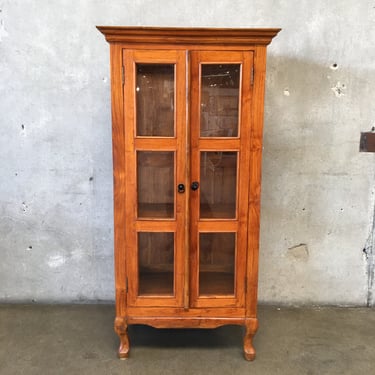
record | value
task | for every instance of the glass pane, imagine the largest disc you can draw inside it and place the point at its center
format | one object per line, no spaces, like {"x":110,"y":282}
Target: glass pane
{"x":216,"y":263}
{"x":156,"y":263}
{"x":155,"y":100}
{"x":218,"y":184}
{"x":155,"y":180}
{"x":220,"y":85}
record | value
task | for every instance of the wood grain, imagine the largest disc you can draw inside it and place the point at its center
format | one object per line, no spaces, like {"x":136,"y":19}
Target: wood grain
{"x":163,"y":278}
{"x":177,"y":322}
{"x":256,"y":140}
{"x":189,"y":36}
{"x":118,"y":145}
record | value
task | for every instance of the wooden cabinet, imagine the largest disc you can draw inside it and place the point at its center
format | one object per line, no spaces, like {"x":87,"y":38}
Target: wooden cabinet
{"x":187,"y":113}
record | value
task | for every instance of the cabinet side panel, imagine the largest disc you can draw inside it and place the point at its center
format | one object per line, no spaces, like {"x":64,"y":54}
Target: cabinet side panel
{"x":255,"y":181}
{"x":118,"y":145}
{"x":245,"y":177}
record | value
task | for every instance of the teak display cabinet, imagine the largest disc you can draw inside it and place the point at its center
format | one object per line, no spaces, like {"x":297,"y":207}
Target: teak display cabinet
{"x":187,"y":120}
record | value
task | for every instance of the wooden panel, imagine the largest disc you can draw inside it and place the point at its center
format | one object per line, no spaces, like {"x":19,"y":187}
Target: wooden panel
{"x":255,"y":183}
{"x":222,"y":144}
{"x":155,"y":143}
{"x":155,"y":226}
{"x":222,"y":312}
{"x":218,"y":226}
{"x":179,"y":322}
{"x":118,"y":146}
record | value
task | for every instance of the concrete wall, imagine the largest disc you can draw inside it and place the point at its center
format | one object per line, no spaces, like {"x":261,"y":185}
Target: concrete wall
{"x":55,"y":145}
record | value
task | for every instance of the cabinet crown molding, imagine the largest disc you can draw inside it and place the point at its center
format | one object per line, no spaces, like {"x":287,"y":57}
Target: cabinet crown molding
{"x":185,"y":35}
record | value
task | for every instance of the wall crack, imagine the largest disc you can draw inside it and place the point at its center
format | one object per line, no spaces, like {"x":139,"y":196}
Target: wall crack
{"x":369,"y":255}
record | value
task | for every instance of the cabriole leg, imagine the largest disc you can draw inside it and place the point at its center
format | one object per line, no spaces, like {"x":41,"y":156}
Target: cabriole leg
{"x":251,"y":328}
{"x":121,"y":328}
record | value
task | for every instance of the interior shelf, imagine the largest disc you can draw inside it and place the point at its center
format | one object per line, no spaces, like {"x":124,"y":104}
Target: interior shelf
{"x":166,"y":210}
{"x":211,"y":283}
{"x":216,"y":283}
{"x":156,"y":283}
{"x":217,"y":211}
{"x":156,"y":210}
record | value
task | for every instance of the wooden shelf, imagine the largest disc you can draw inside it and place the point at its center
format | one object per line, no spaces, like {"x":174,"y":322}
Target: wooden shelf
{"x":216,"y":283}
{"x":156,"y":284}
{"x":217,"y":211}
{"x":156,"y":211}
{"x":166,"y":210}
{"x":211,"y":283}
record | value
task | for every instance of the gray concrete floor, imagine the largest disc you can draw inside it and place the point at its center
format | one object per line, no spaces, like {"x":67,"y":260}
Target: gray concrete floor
{"x":79,"y":339}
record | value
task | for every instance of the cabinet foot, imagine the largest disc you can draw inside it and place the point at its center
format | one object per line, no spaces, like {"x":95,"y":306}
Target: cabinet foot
{"x":251,"y":328}
{"x":121,"y":328}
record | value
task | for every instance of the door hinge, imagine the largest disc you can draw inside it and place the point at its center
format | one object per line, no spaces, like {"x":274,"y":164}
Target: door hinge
{"x":252,"y":76}
{"x":123,"y":74}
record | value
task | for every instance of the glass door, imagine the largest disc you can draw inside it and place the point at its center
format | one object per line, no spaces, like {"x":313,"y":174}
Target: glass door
{"x":155,"y":162}
{"x":220,"y":131}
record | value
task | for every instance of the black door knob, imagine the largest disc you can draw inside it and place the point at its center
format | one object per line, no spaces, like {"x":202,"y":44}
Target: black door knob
{"x":181,"y":188}
{"x":195,"y":185}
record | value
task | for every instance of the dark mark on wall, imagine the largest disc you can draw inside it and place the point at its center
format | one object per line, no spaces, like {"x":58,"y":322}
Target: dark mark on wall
{"x":367,"y":141}
{"x":91,"y":178}
{"x":368,"y":252}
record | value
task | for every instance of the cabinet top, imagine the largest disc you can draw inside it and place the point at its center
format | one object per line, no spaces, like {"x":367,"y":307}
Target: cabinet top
{"x":180,"y":35}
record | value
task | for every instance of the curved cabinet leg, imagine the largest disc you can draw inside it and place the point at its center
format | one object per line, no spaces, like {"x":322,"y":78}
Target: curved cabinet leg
{"x":251,"y":328}
{"x":121,"y":328}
